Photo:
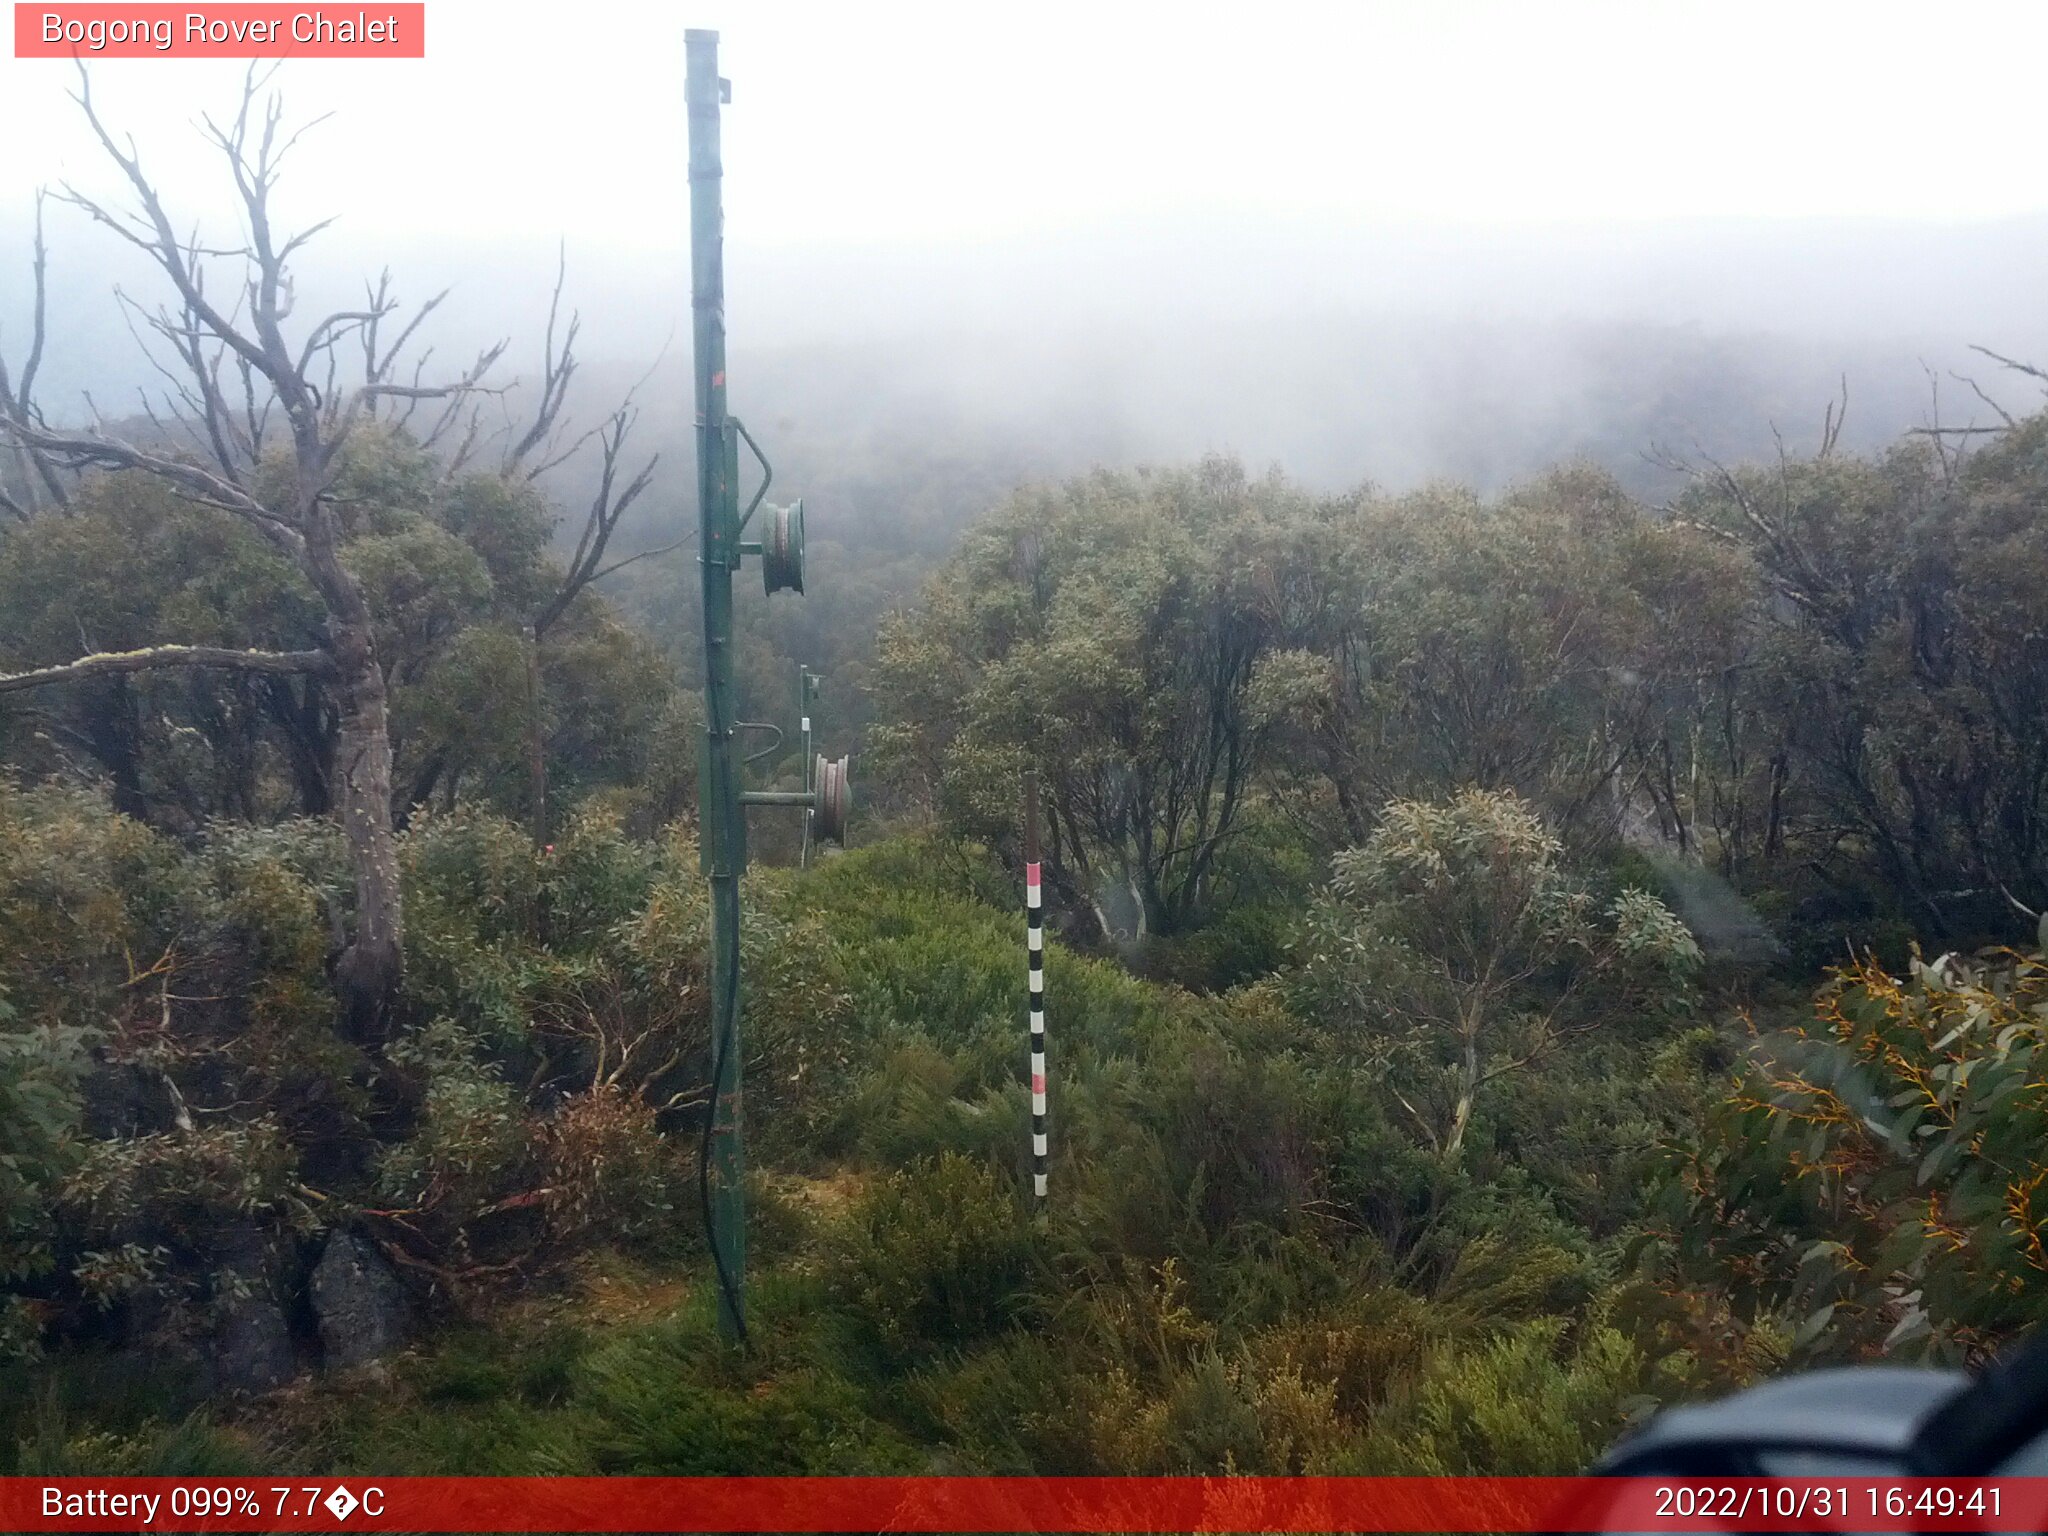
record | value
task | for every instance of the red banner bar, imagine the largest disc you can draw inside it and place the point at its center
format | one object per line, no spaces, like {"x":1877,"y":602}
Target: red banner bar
{"x":993,"y":1504}
{"x":378,"y":30}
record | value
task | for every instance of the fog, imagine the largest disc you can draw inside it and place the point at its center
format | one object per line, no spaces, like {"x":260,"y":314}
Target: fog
{"x":1362,"y":241}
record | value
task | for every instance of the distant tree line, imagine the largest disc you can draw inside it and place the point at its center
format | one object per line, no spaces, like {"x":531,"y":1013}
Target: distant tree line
{"x":1822,"y":680}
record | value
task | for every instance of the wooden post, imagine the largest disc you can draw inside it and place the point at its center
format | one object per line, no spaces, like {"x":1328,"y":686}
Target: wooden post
{"x":1034,"y":943}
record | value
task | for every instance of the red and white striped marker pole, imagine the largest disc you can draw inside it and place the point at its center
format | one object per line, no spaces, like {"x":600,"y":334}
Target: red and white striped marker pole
{"x":1034,"y":943}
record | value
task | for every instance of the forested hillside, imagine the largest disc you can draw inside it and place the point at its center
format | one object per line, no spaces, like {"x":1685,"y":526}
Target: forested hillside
{"x":1439,"y":884}
{"x":1521,"y":956}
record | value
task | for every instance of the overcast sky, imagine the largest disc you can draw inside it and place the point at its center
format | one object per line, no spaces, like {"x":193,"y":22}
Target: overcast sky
{"x":1862,"y":170}
{"x":871,"y":121}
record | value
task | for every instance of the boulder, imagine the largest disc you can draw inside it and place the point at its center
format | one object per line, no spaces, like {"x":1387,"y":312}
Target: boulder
{"x":360,"y":1304}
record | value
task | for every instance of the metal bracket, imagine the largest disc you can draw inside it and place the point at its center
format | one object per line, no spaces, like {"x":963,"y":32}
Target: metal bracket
{"x":767,"y":474}
{"x":760,"y":725}
{"x":778,"y":797}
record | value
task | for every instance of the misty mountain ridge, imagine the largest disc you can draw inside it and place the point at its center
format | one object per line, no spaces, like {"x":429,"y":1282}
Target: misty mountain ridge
{"x":1395,"y":356}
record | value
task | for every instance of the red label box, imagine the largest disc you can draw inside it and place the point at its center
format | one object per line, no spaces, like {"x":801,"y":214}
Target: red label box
{"x":238,"y":31}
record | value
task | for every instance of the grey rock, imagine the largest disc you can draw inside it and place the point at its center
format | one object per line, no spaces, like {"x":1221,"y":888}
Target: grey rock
{"x":361,"y":1306}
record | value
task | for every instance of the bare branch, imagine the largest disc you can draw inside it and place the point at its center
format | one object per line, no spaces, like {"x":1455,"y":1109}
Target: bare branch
{"x":37,"y":315}
{"x":1947,"y":456}
{"x":255,"y":418}
{"x":161,"y":242}
{"x":1977,"y":389}
{"x":377,"y":366}
{"x":431,"y":391}
{"x":1831,"y":423}
{"x":334,"y":328}
{"x":186,"y":401}
{"x":80,"y":451}
{"x":556,"y":370}
{"x":17,"y":403}
{"x":467,"y":387}
{"x":645,"y":554}
{"x":607,"y":508}
{"x":2013,"y":363}
{"x":109,"y":663}
{"x":306,"y":235}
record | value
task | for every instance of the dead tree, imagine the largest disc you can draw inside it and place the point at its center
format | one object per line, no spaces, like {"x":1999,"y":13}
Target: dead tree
{"x":241,"y":397}
{"x":41,"y":484}
{"x":543,"y":446}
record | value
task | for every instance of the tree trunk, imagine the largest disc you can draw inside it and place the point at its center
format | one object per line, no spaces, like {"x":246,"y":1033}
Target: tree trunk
{"x":424,"y":784}
{"x":536,"y":740}
{"x":1468,"y":1090}
{"x":116,"y":737}
{"x":369,"y":968}
{"x":1357,"y":825}
{"x":308,"y":743}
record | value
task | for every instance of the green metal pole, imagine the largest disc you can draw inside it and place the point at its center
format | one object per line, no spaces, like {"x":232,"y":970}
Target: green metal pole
{"x":721,"y":828}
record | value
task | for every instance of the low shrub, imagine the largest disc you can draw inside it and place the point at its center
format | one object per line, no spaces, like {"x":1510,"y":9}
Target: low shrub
{"x":933,"y":1256}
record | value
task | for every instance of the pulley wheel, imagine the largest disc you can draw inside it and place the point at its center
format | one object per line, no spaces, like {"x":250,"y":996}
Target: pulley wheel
{"x":834,"y":791}
{"x":782,"y":549}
